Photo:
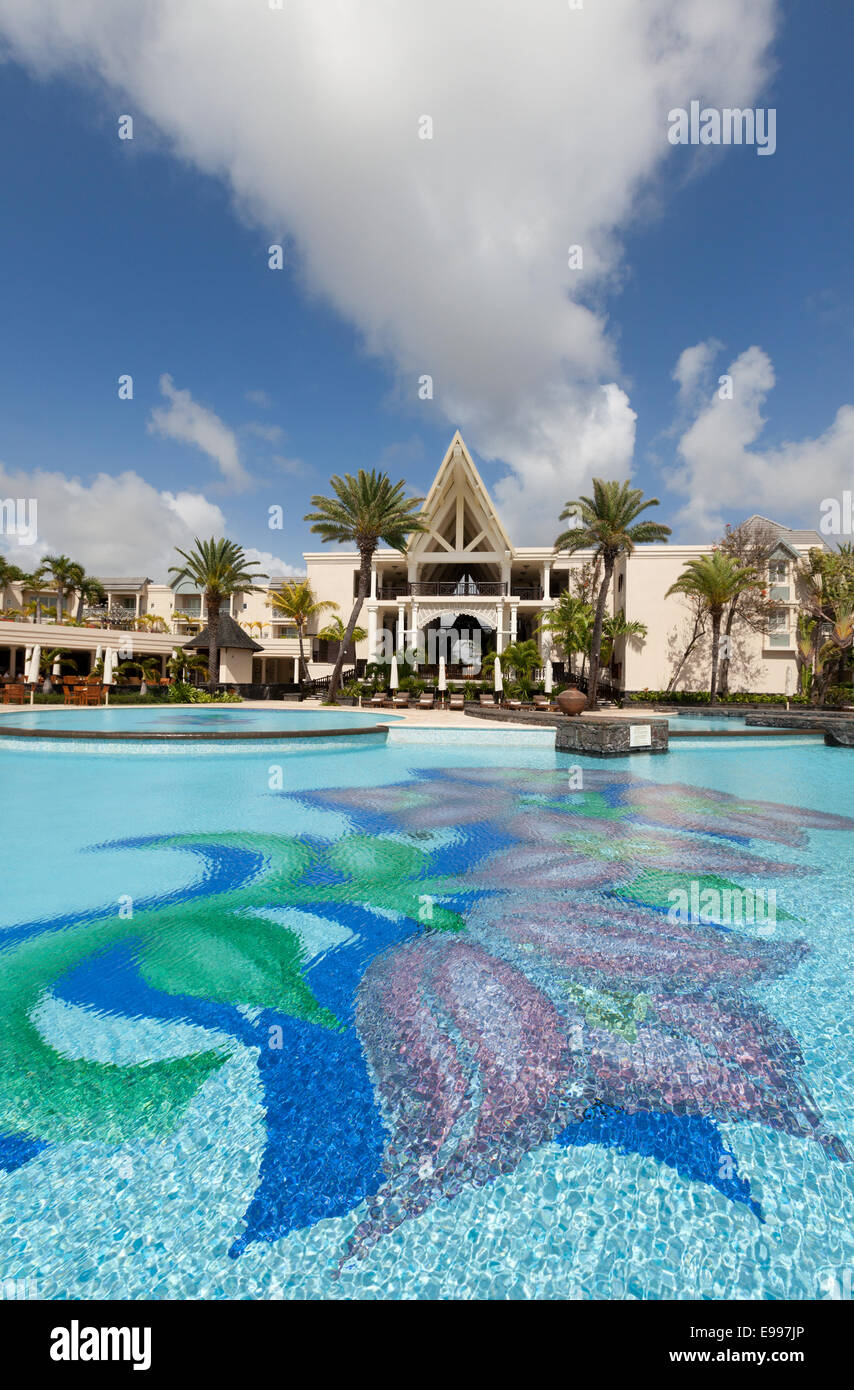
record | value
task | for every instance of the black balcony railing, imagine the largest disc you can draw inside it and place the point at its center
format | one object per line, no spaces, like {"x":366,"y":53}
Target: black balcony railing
{"x":457,"y":588}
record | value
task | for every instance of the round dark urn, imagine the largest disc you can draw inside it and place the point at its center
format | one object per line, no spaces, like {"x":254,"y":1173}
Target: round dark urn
{"x":571,"y":701}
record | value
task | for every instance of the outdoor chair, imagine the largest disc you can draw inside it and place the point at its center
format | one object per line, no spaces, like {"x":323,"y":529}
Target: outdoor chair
{"x":14,"y":694}
{"x":93,"y":694}
{"x":426,"y":702}
{"x":488,"y":701}
{"x":457,"y":702}
{"x":542,"y":702}
{"x":513,"y":704}
{"x":401,"y":702}
{"x":379,"y":699}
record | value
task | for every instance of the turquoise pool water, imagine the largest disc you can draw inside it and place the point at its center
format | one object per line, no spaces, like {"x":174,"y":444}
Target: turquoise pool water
{"x":417,"y":1023}
{"x":202,"y":719}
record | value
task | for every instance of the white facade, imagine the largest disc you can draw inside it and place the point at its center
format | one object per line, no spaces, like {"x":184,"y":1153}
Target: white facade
{"x":465,"y":572}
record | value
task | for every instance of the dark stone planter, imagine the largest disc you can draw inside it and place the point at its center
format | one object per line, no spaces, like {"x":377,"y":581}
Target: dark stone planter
{"x":600,"y":737}
{"x":571,"y":701}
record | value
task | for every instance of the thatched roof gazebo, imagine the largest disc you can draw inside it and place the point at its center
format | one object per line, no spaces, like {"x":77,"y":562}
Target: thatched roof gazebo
{"x":236,"y":649}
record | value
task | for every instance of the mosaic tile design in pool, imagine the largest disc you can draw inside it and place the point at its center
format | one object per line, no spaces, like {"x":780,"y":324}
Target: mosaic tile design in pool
{"x":496,"y":972}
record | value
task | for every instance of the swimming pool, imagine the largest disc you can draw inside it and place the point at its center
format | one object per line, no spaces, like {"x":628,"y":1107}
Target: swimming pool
{"x":417,"y":1024}
{"x":178,"y":719}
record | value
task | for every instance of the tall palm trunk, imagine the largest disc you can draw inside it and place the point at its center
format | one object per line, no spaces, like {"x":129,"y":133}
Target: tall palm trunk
{"x":213,"y":605}
{"x":367,"y":554}
{"x":303,"y":665}
{"x":60,"y":595}
{"x":716,"y":636}
{"x":724,"y":672}
{"x":596,"y":639}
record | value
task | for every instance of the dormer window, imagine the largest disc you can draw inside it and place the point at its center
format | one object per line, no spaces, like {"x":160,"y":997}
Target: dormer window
{"x":778,"y":570}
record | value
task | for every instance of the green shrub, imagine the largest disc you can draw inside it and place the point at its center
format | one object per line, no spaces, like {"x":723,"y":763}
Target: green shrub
{"x":701,"y":697}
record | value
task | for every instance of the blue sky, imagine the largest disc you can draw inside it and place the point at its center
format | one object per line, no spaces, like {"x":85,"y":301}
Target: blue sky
{"x":149,"y":257}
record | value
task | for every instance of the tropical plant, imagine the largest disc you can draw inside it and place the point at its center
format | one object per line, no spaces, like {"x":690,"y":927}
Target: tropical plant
{"x":520,"y":658}
{"x":365,"y":510}
{"x":715,"y":580}
{"x":335,"y":631}
{"x":181,"y":663}
{"x":148,"y":669}
{"x":90,"y":591}
{"x":616,"y":626}
{"x":9,"y":574}
{"x":607,"y":523}
{"x":47,"y":661}
{"x":297,"y":603}
{"x":218,"y":569}
{"x":805,"y":653}
{"x":827,"y":586}
{"x":64,"y":575}
{"x":569,"y":625}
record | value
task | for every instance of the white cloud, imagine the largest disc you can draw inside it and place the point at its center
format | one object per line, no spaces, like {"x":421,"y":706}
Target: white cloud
{"x":450,"y":254}
{"x":259,"y":398}
{"x":693,"y":368}
{"x":726,"y":474}
{"x":114,"y":525}
{"x":271,"y":564}
{"x":271,"y":434}
{"x":191,"y":423}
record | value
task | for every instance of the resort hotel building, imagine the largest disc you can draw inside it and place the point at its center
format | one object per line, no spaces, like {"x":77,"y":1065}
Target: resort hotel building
{"x":466,"y":586}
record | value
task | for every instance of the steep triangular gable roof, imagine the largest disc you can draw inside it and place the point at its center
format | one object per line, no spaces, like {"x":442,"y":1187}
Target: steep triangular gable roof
{"x":458,"y":506}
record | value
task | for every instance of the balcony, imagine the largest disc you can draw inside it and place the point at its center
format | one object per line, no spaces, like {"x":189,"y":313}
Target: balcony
{"x":455,"y":588}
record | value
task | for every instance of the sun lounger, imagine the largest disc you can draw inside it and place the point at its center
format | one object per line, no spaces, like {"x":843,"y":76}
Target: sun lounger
{"x":401,"y":702}
{"x":488,"y":701}
{"x":379,"y":699}
{"x":426,"y":702}
{"x":457,"y":702}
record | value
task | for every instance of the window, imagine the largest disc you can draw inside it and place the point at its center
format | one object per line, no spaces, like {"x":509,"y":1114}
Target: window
{"x":190,"y":605}
{"x":778,"y":571}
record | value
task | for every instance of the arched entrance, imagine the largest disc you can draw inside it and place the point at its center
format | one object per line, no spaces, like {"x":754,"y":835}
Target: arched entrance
{"x":464,"y":639}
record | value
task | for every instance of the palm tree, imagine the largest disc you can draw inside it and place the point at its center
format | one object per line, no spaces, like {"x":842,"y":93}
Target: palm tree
{"x":47,"y":661}
{"x":65,"y":576}
{"x":716,"y":580}
{"x":296,"y":603}
{"x":89,"y":592}
{"x":617,"y":626}
{"x":569,"y":624}
{"x":218,"y":569}
{"x":9,"y":574}
{"x":365,"y":510}
{"x":148,"y":668}
{"x":805,"y":651}
{"x":522,"y":658}
{"x":607,"y":523}
{"x":181,"y":663}
{"x":335,"y":631}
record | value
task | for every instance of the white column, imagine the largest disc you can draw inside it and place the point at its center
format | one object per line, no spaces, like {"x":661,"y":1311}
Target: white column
{"x":547,"y":577}
{"x":373,"y":581}
{"x":372,"y":628}
{"x":296,"y":670}
{"x":415,"y":631}
{"x":401,"y":625}
{"x":513,"y":621}
{"x":499,"y":631}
